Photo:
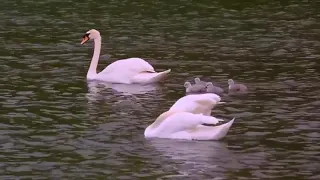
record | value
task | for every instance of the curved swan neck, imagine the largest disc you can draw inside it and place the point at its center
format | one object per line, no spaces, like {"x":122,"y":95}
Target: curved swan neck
{"x":95,"y":58}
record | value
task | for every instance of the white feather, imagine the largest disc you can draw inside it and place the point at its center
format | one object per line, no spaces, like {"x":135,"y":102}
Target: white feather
{"x":196,"y":103}
{"x":125,"y":71}
{"x":185,"y":120}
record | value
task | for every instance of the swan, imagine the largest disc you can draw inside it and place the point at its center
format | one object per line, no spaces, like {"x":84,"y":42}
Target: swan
{"x":233,"y":87}
{"x":198,"y":81}
{"x":213,"y":89}
{"x":203,"y":83}
{"x":125,"y":71}
{"x":196,"y":88}
{"x":185,"y":119}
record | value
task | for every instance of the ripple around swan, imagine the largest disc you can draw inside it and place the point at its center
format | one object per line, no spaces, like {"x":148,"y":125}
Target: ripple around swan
{"x":57,"y":125}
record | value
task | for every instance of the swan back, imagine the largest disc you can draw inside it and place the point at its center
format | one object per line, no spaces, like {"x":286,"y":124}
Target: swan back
{"x":161,"y":118}
{"x":154,"y":129}
{"x":196,"y":103}
{"x":213,"y":89}
{"x":120,"y":70}
{"x":172,"y":121}
{"x":198,"y":81}
{"x":196,"y":88}
{"x":236,"y":87}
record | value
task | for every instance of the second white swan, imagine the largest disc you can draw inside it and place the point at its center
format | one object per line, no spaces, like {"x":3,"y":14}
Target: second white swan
{"x":185,"y":120}
{"x":125,"y":71}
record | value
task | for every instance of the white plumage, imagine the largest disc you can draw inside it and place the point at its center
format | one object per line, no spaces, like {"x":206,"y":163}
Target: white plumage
{"x":185,"y":118}
{"x":125,"y":71}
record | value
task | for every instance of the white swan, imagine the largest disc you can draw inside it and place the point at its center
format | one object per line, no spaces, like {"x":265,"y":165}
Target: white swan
{"x":185,"y":119}
{"x":125,"y":71}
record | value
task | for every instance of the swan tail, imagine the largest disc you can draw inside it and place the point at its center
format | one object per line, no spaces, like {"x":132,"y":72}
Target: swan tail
{"x":150,"y":77}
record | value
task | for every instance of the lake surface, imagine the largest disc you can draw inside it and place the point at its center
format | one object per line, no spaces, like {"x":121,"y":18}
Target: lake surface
{"x":56,"y":125}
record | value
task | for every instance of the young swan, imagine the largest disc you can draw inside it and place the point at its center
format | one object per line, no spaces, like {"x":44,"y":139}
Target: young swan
{"x":198,"y":81}
{"x":196,"y":88}
{"x":236,"y":87}
{"x":213,"y":89}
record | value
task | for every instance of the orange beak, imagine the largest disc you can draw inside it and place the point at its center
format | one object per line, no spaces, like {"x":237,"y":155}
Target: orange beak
{"x":85,"y":39}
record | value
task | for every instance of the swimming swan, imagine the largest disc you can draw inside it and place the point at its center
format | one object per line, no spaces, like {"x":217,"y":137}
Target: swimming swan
{"x":125,"y":71}
{"x":198,"y":81}
{"x":185,"y":119}
{"x":213,"y":89}
{"x":196,"y":88}
{"x":233,"y":87}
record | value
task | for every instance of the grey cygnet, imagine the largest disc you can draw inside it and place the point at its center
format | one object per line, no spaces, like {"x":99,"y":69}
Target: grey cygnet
{"x":236,"y":87}
{"x":196,"y":88}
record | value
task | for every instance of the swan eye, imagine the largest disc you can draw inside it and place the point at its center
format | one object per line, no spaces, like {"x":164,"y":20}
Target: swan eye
{"x":86,"y":35}
{"x":85,"y":38}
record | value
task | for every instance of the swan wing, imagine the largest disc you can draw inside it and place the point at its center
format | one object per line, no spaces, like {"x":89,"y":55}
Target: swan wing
{"x":171,"y":122}
{"x":202,"y":132}
{"x":149,"y":77}
{"x":122,"y":71}
{"x":136,"y":65}
{"x":196,"y":103}
{"x":131,"y":70}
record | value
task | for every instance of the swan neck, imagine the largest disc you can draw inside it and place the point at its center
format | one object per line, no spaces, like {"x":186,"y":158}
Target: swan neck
{"x":95,"y":58}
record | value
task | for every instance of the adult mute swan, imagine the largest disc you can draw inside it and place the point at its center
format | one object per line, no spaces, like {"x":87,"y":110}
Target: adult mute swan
{"x":185,"y":119}
{"x":125,"y":71}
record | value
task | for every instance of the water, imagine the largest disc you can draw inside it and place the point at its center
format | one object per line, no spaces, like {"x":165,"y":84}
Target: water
{"x":56,"y":125}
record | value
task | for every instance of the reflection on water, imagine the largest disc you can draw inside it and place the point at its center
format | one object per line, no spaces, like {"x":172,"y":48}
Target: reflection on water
{"x":96,"y":88}
{"x":195,"y":158}
{"x":55,"y":124}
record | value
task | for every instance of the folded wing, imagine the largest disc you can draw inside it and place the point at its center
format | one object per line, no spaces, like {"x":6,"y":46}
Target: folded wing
{"x":171,"y":122}
{"x":196,"y":103}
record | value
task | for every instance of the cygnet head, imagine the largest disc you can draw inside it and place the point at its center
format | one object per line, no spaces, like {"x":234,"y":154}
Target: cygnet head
{"x":187,"y":84}
{"x":91,"y":34}
{"x":230,"y":82}
{"x":197,"y":80}
{"x":209,"y":84}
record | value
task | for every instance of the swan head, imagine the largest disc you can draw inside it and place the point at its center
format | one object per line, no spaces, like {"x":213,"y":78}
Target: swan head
{"x":197,"y":80}
{"x":91,"y":34}
{"x":187,"y":84}
{"x":230,"y":82}
{"x":209,"y":84}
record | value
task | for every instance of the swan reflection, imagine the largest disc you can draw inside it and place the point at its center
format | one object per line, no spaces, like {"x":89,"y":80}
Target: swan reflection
{"x":108,"y":98}
{"x":191,"y":150}
{"x":196,"y":157}
{"x":125,"y":89}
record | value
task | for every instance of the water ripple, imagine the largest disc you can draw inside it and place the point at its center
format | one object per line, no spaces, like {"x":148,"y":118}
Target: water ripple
{"x":55,"y":124}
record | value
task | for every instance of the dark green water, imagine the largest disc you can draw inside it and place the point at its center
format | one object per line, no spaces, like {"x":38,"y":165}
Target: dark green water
{"x":54,"y":125}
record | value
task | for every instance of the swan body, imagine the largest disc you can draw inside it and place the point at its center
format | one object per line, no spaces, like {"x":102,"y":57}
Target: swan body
{"x":185,"y":119}
{"x":125,"y":71}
